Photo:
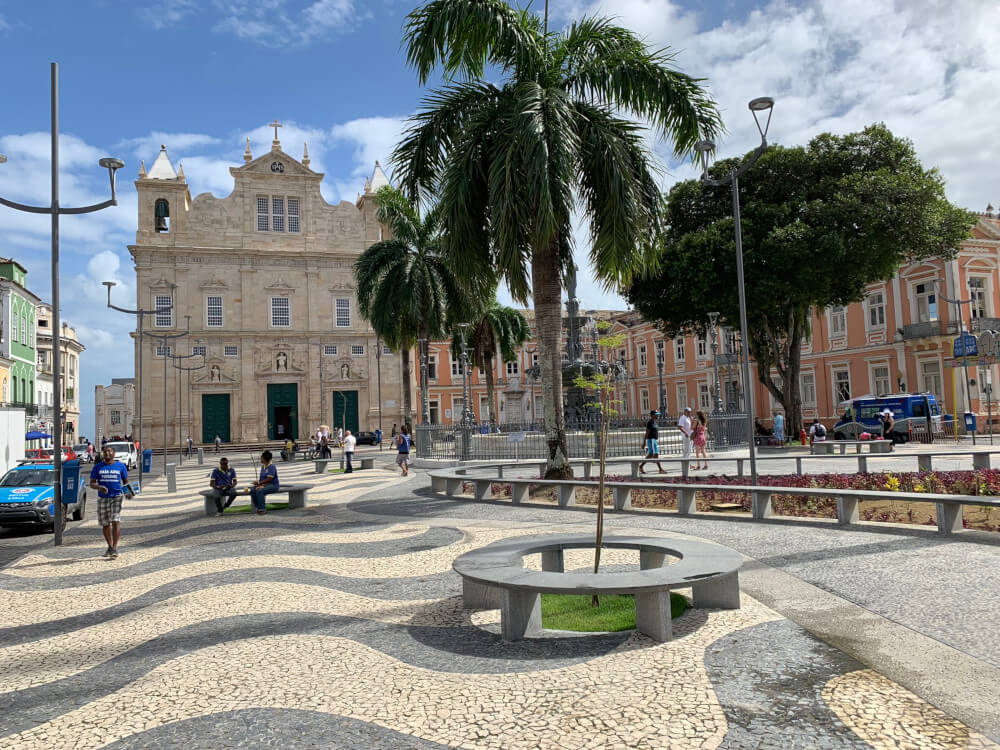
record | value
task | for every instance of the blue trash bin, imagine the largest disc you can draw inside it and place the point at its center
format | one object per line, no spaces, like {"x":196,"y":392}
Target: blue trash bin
{"x":70,"y":481}
{"x":970,"y":422}
{"x":147,"y":460}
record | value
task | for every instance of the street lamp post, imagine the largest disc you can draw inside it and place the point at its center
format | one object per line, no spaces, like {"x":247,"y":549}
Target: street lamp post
{"x":140,"y":315}
{"x":422,"y":351}
{"x":760,"y":104}
{"x":660,"y":353}
{"x":713,"y":319}
{"x":55,"y":210}
{"x":965,"y":372}
{"x":188,"y":370}
{"x":163,"y":338}
{"x":378,"y":367}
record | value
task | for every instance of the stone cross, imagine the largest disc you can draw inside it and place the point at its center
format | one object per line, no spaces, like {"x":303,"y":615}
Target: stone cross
{"x":275,"y":125}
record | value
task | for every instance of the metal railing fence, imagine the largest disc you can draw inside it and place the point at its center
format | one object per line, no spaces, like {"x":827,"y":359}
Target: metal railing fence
{"x":526,"y":440}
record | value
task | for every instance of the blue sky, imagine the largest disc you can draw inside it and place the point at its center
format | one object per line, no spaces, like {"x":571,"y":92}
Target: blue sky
{"x":202,"y":75}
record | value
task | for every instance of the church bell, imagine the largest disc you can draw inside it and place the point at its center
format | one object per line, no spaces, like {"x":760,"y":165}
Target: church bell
{"x":161,"y":224}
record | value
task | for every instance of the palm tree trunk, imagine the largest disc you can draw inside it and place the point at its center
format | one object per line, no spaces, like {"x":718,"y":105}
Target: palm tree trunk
{"x":546,"y":286}
{"x":407,"y":395}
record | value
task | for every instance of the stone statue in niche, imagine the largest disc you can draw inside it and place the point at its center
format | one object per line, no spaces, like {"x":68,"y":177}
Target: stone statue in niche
{"x":345,"y":371}
{"x":281,"y":362}
{"x":215,"y":374}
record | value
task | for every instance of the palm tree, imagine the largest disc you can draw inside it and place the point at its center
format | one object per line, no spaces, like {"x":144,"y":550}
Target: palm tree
{"x":507,"y":161}
{"x":405,"y":286}
{"x":497,"y":332}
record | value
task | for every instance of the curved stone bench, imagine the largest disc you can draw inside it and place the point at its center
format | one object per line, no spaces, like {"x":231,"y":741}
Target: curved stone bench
{"x":296,"y":496}
{"x":495,"y":577}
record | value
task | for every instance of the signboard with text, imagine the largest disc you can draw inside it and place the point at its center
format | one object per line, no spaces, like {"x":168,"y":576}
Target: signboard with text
{"x":976,"y":351}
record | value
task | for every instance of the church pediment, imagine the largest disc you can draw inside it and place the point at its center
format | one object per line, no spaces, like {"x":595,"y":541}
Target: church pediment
{"x":276,"y":163}
{"x":216,"y":371}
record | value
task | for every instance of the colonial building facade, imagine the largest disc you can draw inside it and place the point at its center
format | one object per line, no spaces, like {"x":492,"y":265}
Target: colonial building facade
{"x":898,"y":339}
{"x":69,"y":364}
{"x":262,"y":282}
{"x":114,"y":409}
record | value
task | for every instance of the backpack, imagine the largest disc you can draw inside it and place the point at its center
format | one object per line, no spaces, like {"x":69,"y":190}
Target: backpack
{"x":820,"y":430}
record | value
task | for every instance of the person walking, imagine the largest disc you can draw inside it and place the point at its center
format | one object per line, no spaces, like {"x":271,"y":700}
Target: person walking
{"x":652,"y":442}
{"x":223,"y":484}
{"x":349,"y":444}
{"x":684,"y":425}
{"x":109,"y":478}
{"x":403,"y":448}
{"x":779,"y":427}
{"x":699,"y":438}
{"x":190,"y":446}
{"x":265,"y":485}
{"x":340,"y":436}
{"x":324,"y":447}
{"x":218,"y":442}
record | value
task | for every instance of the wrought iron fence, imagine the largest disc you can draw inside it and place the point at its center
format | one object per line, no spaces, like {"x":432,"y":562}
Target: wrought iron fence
{"x":526,"y":440}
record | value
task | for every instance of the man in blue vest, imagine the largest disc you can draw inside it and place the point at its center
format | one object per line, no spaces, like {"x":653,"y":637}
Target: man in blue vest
{"x":109,"y":478}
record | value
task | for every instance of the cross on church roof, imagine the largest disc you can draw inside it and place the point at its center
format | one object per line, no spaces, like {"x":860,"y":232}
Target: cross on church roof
{"x":275,"y":125}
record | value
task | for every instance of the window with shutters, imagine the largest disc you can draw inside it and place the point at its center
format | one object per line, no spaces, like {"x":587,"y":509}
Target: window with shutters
{"x":162,"y":350}
{"x":230,"y":351}
{"x":263,"y":220}
{"x":357,"y":350}
{"x":199,"y":351}
{"x":281,"y":313}
{"x":213,"y":312}
{"x":293,"y":214}
{"x":277,"y":214}
{"x":164,"y":317}
{"x":330,"y":350}
{"x":807,"y":388}
{"x":15,"y":327}
{"x":642,"y":358}
{"x":343,"y":313}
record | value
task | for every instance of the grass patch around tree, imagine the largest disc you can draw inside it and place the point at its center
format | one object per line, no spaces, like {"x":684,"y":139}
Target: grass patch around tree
{"x":616,"y":612}
{"x":250,"y":508}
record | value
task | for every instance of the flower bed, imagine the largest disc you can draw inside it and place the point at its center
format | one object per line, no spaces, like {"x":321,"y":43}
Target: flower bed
{"x":984,"y":482}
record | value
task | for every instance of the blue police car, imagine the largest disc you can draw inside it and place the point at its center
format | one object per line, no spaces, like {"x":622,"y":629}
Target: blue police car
{"x":26,"y":497}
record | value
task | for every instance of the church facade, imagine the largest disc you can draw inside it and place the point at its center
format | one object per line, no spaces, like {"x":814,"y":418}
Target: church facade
{"x":263,"y":339}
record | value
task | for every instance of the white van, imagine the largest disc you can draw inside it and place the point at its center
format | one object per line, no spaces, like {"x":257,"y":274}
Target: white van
{"x":125,"y":452}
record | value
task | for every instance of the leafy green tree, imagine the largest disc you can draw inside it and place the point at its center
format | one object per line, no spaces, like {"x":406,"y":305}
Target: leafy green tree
{"x":496,"y":331}
{"x":406,"y":287}
{"x":820,"y":222}
{"x":508,"y":161}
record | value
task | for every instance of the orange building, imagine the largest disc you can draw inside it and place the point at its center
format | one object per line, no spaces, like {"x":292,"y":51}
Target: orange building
{"x":898,"y":339}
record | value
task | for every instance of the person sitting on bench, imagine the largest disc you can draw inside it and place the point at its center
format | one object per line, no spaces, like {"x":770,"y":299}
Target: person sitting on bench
{"x":223,"y":484}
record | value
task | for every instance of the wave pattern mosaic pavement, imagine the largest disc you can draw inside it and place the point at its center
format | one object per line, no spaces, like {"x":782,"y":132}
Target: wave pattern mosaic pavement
{"x":330,"y":628}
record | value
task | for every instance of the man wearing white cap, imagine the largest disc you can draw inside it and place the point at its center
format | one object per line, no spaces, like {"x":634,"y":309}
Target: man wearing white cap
{"x":684,"y":425}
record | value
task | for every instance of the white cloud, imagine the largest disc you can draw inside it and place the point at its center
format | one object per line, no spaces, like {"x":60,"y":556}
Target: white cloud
{"x":372,"y":139}
{"x":165,"y":15}
{"x":276,"y":22}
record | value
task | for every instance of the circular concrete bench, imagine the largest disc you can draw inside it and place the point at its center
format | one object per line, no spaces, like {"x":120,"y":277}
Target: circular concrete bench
{"x":495,"y":577}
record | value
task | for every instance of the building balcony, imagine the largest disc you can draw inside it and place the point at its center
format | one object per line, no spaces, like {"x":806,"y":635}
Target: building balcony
{"x":930,"y":329}
{"x":30,"y":410}
{"x":985,"y":324}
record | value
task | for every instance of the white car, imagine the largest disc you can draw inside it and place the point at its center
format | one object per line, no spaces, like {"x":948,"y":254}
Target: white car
{"x":125,"y":452}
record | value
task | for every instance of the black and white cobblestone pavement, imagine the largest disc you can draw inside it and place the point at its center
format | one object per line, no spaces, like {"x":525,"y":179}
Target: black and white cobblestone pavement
{"x":341,"y":626}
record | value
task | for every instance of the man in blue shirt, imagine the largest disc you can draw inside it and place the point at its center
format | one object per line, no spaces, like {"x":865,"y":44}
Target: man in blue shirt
{"x":109,"y":478}
{"x":223,"y":485}
{"x":264,"y":486}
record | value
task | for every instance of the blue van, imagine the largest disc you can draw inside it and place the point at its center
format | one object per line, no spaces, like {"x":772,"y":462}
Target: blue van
{"x":912,"y":412}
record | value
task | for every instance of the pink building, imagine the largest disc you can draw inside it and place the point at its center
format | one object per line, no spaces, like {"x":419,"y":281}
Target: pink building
{"x":899,"y":338}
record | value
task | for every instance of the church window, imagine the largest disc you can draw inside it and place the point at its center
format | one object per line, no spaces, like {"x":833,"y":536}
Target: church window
{"x":281,"y":316}
{"x":343,"y":313}
{"x":277,"y":214}
{"x":164,"y":317}
{"x":199,"y":351}
{"x":330,"y":350}
{"x":293,"y":214}
{"x":263,"y":217}
{"x":162,"y":350}
{"x":213,"y":312}
{"x":357,"y":350}
{"x":231,"y":351}
{"x":161,"y":213}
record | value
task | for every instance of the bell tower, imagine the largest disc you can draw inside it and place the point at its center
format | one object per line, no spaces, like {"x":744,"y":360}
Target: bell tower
{"x":164,"y":200}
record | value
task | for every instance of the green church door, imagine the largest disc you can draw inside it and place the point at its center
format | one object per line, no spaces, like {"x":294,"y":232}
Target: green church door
{"x":214,"y":417}
{"x":282,"y":411}
{"x":345,"y":411}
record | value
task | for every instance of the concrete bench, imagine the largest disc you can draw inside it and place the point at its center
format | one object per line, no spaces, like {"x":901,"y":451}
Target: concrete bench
{"x":296,"y":496}
{"x":821,"y":447}
{"x":357,"y":463}
{"x":948,"y":508}
{"x":494,"y":577}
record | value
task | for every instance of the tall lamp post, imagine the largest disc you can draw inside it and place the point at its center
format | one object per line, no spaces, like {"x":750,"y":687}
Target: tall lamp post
{"x":661,"y":351}
{"x":468,"y":418}
{"x":758,"y":105}
{"x":140,"y":315}
{"x":965,"y":372}
{"x":422,"y":351}
{"x":713,"y":320}
{"x":188,"y":370}
{"x":55,"y":211}
{"x":378,"y":367}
